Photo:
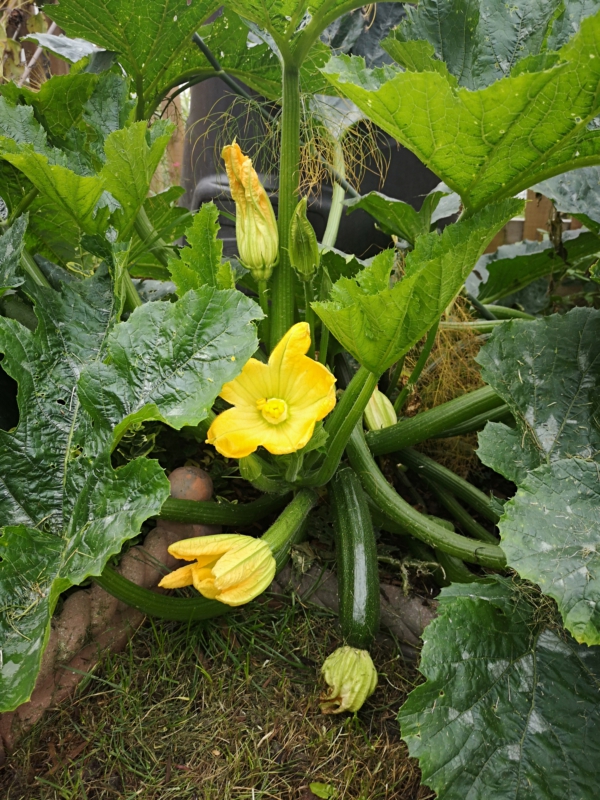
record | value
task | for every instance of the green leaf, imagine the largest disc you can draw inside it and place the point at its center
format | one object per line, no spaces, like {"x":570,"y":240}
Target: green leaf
{"x":200,"y":264}
{"x":169,"y":361}
{"x":72,"y":50}
{"x":514,"y":266}
{"x":148,"y":36}
{"x":74,"y":195}
{"x":11,"y":247}
{"x":397,"y":217}
{"x":132,"y":156}
{"x":65,"y":510}
{"x":377,"y":324}
{"x":494,"y":142}
{"x":577,"y":193}
{"x":481,"y":42}
{"x":548,"y":373}
{"x":510,"y":706}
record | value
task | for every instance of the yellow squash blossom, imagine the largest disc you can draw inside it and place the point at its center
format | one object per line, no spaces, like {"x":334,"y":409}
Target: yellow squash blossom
{"x":255,"y":224}
{"x":228,"y":567}
{"x":275,"y":405}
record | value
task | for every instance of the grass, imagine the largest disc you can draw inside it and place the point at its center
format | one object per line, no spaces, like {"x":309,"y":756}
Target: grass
{"x":226,"y":710}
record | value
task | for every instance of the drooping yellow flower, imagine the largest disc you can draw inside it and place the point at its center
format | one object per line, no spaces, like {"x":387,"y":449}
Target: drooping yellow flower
{"x":255,"y":224}
{"x":228,"y":567}
{"x":276,"y":405}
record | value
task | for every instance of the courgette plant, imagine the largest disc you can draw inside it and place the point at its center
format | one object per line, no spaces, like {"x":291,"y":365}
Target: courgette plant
{"x":494,"y":99}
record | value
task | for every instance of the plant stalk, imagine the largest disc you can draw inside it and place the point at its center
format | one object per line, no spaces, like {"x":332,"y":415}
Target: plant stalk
{"x":461,"y":515}
{"x":22,"y":206}
{"x":337,"y":199}
{"x":395,"y":376}
{"x":341,"y":423}
{"x":309,"y":315}
{"x":31,"y":269}
{"x":211,"y":513}
{"x":441,"y":476}
{"x":282,"y":316}
{"x":432,"y":423}
{"x":416,"y":373}
{"x":413,"y":523}
{"x":263,"y":298}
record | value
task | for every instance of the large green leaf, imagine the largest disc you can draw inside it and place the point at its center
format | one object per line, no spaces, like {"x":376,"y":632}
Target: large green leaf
{"x":510,"y":706}
{"x":148,"y":36}
{"x":243,"y":56}
{"x":169,"y":361}
{"x":11,"y":247}
{"x":378,"y":324}
{"x":132,"y":156}
{"x":482,"y":40}
{"x":494,"y":142}
{"x":63,"y":508}
{"x":548,"y":373}
{"x":397,"y":217}
{"x":512,"y":267}
{"x":200,"y":264}
{"x":577,"y":193}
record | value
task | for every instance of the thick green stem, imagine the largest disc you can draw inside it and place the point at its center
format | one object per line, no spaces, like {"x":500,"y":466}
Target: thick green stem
{"x":341,"y":423}
{"x":477,"y":326}
{"x":485,"y":311}
{"x":441,"y":476}
{"x":428,"y":424}
{"x":31,"y":269}
{"x":395,"y":377}
{"x":22,"y":206}
{"x":148,"y":235}
{"x":282,"y":316}
{"x":476,"y":423}
{"x":413,"y":523}
{"x":132,"y":298}
{"x":337,"y":199}
{"x":501,"y":312}
{"x":281,"y":536}
{"x":461,"y":515}
{"x":210,"y":513}
{"x":263,"y":298}
{"x":323,"y":344}
{"x":416,"y":373}
{"x":309,"y":315}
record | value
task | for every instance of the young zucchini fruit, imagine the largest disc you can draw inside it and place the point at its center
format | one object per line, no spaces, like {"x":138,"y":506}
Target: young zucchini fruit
{"x":356,"y":553}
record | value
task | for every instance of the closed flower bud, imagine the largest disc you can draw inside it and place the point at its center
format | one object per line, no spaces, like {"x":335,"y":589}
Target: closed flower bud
{"x":304,"y":249}
{"x":255,"y":223}
{"x":351,"y":677}
{"x":379,"y":412}
{"x":228,"y":567}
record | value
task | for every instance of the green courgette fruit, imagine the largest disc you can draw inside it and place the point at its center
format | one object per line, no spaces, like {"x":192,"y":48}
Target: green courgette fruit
{"x":356,"y":552}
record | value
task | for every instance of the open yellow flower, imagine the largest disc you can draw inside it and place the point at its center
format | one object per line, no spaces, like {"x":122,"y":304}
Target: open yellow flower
{"x":228,"y":567}
{"x":255,"y":224}
{"x":276,"y":405}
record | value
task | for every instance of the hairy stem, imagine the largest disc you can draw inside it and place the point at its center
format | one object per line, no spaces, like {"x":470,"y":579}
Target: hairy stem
{"x":461,"y":515}
{"x":434,"y":422}
{"x":282,"y":317}
{"x":413,"y":523}
{"x":145,"y":230}
{"x":416,"y":373}
{"x":337,"y":199}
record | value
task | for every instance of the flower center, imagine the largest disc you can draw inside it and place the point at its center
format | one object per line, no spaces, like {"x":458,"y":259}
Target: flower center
{"x":273,"y":410}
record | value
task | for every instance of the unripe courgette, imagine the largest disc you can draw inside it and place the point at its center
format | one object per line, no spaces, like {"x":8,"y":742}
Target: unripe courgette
{"x":356,"y":552}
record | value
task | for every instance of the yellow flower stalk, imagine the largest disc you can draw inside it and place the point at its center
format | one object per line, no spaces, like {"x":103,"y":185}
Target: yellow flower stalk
{"x":227,"y":567}
{"x":255,"y":224}
{"x":275,"y":405}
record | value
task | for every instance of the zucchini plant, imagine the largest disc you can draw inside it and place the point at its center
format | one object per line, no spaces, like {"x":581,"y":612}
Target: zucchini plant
{"x":493,"y":98}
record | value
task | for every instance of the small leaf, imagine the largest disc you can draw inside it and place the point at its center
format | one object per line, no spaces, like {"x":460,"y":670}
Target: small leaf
{"x":323,"y":790}
{"x":397,"y":217}
{"x":200,"y":264}
{"x":510,"y":706}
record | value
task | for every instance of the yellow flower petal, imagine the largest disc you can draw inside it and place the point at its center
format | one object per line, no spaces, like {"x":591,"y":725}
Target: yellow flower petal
{"x":238,"y":431}
{"x":207,"y":547}
{"x":204,"y":582}
{"x":178,"y":578}
{"x":253,"y":383}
